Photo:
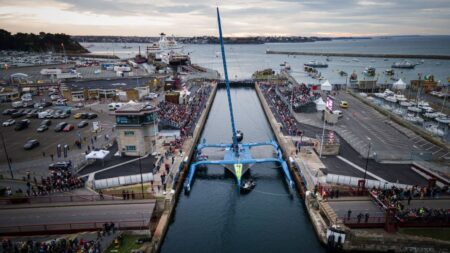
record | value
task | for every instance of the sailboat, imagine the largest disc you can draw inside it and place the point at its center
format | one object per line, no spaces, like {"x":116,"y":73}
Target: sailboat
{"x":237,"y":157}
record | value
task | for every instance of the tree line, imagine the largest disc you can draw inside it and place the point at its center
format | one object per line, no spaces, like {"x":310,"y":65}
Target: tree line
{"x":42,"y":42}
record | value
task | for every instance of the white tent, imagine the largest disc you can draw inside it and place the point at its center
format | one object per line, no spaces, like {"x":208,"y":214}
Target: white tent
{"x":320,"y":105}
{"x":326,"y":86}
{"x":399,"y":85}
{"x":97,"y":155}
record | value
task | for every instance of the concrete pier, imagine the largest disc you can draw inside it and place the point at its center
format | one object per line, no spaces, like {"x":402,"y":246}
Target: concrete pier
{"x":400,"y":56}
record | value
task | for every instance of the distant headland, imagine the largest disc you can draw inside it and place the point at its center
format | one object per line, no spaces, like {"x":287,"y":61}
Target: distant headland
{"x":209,"y":39}
{"x":42,"y":42}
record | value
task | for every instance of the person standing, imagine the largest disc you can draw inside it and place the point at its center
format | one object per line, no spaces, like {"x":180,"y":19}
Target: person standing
{"x":349,"y":214}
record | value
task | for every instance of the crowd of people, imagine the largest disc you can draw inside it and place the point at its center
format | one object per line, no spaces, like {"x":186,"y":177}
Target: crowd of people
{"x":303,"y":95}
{"x":184,"y":116}
{"x":401,"y":199}
{"x":53,"y":246}
{"x":61,"y":245}
{"x":56,"y":181}
{"x":280,"y":110}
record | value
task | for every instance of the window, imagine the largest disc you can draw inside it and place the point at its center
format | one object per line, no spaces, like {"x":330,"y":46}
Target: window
{"x":130,"y":148}
{"x":128,"y":133}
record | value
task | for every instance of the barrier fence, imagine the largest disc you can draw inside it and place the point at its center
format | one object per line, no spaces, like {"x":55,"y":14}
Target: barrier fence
{"x":353,"y":181}
{"x":72,"y":227}
{"x":124,"y":180}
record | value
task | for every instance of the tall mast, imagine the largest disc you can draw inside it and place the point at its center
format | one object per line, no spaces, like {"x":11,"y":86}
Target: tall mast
{"x":227,"y":83}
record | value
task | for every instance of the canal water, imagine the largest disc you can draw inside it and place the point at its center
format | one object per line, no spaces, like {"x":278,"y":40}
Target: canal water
{"x":214,"y":217}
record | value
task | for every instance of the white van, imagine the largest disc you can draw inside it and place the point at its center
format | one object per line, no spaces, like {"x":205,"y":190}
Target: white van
{"x":114,"y":106}
{"x":27,"y":97}
{"x":17,"y":104}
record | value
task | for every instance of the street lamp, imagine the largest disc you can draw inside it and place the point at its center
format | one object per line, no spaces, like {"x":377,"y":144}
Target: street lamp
{"x":367,"y":161}
{"x":7,"y":157}
{"x":142,"y":179}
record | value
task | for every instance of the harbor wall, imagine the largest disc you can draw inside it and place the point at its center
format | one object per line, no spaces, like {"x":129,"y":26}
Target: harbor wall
{"x":319,"y":223}
{"x":182,"y":162}
{"x":400,"y":56}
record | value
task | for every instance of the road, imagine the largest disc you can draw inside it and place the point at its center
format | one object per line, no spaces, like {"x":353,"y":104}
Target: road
{"x":76,"y":214}
{"x":362,"y":124}
{"x":341,"y":208}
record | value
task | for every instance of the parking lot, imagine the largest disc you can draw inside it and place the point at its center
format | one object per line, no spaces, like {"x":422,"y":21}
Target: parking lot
{"x":40,"y":156}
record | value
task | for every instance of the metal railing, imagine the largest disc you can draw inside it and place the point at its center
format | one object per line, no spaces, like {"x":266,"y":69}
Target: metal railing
{"x":61,"y":228}
{"x":73,"y":198}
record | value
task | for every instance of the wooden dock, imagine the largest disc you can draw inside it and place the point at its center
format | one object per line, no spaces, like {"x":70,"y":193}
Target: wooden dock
{"x":401,"y":56}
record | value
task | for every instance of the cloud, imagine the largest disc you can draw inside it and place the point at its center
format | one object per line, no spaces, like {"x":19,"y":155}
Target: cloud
{"x":250,"y":17}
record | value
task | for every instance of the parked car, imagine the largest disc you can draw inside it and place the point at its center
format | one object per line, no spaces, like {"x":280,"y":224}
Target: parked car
{"x":84,"y":115}
{"x":17,"y":115}
{"x":83,"y":124}
{"x":54,"y":97}
{"x":77,"y":115}
{"x":68,"y":128}
{"x":9,"y":111}
{"x":31,"y":144}
{"x":42,"y":128}
{"x":63,"y":115}
{"x":60,"y":126}
{"x":92,"y":116}
{"x":46,"y":122}
{"x":9,"y":122}
{"x":339,"y":113}
{"x":343,"y":104}
{"x":60,"y":165}
{"x":20,"y":125}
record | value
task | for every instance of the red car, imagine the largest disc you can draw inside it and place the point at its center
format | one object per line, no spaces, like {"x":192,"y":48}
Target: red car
{"x":68,"y":128}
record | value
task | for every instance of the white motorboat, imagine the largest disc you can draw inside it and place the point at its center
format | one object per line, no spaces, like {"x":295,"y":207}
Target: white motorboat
{"x":403,"y":65}
{"x":423,"y":103}
{"x":427,"y":109}
{"x":431,"y":115}
{"x":445,"y":120}
{"x":391,"y":99}
{"x":316,"y":64}
{"x":405,"y":104}
{"x":414,"y":109}
{"x":400,"y":97}
{"x":413,"y":119}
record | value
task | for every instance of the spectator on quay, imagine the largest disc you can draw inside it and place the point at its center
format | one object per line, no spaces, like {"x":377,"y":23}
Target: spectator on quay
{"x":366,"y":217}
{"x":360,"y":215}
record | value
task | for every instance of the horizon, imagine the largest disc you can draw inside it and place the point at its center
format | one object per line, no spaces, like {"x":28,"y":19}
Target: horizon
{"x":324,"y":18}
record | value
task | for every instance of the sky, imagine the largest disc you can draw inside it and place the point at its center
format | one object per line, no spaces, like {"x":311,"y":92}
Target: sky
{"x":330,"y":18}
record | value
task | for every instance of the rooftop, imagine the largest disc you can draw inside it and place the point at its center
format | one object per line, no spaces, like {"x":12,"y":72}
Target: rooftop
{"x":135,"y":108}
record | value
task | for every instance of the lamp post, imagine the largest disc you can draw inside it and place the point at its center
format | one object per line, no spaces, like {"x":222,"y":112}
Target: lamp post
{"x":7,"y":157}
{"x":367,"y":161}
{"x":142,"y":179}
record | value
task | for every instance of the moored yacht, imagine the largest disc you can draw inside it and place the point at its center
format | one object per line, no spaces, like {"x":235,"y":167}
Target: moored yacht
{"x":316,"y":64}
{"x":403,"y":65}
